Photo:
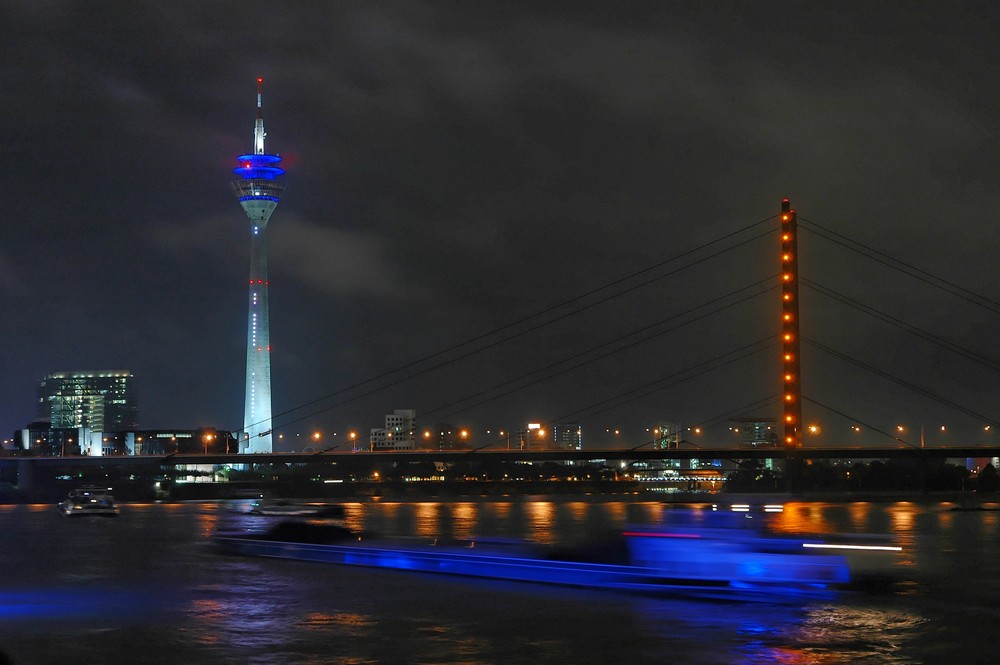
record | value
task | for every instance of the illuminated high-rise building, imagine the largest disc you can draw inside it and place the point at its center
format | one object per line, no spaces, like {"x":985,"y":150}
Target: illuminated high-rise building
{"x":103,"y":401}
{"x":259,"y":190}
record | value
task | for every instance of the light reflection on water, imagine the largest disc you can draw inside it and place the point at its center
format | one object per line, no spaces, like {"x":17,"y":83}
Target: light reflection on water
{"x":148,"y":587}
{"x":540,"y":518}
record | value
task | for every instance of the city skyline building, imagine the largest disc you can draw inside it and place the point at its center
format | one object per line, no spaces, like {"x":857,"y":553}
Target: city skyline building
{"x":259,"y":191}
{"x":568,"y":436}
{"x":399,"y":432}
{"x":101,"y":400}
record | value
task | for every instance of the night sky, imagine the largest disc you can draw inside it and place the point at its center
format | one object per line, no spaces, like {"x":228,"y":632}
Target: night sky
{"x":459,"y":168}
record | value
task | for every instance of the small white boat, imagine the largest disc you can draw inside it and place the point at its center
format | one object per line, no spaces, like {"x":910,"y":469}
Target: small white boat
{"x":89,"y":501}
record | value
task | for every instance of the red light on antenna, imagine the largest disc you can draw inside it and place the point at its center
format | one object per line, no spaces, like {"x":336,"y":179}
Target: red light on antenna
{"x":261,"y":80}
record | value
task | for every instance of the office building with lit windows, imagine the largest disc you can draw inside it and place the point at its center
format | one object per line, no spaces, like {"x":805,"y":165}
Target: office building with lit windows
{"x":102,"y":401}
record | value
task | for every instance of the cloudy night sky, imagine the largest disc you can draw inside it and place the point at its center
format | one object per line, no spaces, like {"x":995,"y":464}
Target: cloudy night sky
{"x":506,"y":212}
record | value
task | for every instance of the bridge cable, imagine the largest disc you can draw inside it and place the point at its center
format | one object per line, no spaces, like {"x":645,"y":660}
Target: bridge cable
{"x":913,"y":387}
{"x":855,"y":420}
{"x":523,"y":320}
{"x":654,"y":386}
{"x":919,"y":332}
{"x":450,"y":405}
{"x":907,"y":268}
{"x":593,"y":349}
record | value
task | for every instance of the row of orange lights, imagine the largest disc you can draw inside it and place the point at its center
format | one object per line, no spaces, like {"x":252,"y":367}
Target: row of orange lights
{"x":788,"y":318}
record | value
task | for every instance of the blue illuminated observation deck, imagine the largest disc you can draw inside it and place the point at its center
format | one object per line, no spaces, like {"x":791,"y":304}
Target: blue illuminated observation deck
{"x":258,"y":175}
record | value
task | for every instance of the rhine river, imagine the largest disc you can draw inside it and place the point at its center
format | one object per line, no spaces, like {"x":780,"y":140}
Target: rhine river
{"x":149,"y":587}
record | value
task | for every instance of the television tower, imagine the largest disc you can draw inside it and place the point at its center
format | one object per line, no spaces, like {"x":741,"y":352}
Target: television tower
{"x":258,"y":190}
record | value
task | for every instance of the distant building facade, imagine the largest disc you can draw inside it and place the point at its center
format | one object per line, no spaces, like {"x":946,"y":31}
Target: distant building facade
{"x":567,"y":436}
{"x":102,"y":401}
{"x":758,"y":433}
{"x":399,"y":431}
{"x":532,"y":437}
{"x":667,"y":436}
{"x":444,"y":436}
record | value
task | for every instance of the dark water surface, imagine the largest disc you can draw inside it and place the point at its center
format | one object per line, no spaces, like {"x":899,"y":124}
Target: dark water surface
{"x":149,"y":587}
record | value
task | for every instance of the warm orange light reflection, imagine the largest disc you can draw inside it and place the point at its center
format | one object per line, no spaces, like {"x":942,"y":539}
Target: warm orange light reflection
{"x":540,"y":516}
{"x":802,"y":518}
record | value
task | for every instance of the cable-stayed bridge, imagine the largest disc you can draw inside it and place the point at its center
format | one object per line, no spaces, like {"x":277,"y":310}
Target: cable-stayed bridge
{"x":855,"y":372}
{"x":831,"y":419}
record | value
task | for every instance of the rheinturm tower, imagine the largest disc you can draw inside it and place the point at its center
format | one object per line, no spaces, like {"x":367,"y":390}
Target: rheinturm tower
{"x":259,"y":190}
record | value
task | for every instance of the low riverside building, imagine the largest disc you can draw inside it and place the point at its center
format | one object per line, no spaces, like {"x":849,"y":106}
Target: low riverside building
{"x":40,"y":439}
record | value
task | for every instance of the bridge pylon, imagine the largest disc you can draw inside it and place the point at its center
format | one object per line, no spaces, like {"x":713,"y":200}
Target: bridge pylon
{"x":791,"y":366}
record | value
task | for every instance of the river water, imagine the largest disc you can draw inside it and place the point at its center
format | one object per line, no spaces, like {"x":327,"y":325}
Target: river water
{"x":149,"y":587}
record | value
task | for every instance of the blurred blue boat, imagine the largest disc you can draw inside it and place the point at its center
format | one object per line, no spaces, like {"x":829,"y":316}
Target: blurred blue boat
{"x":706,"y":562}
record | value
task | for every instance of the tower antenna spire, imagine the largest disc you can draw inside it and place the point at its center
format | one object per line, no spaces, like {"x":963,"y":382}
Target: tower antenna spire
{"x":258,"y":128}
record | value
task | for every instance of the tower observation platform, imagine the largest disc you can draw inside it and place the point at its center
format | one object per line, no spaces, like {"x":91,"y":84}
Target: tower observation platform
{"x":258,"y":190}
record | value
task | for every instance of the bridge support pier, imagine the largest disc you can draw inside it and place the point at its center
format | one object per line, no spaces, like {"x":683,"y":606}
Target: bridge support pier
{"x":794,"y":469}
{"x":26,"y":478}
